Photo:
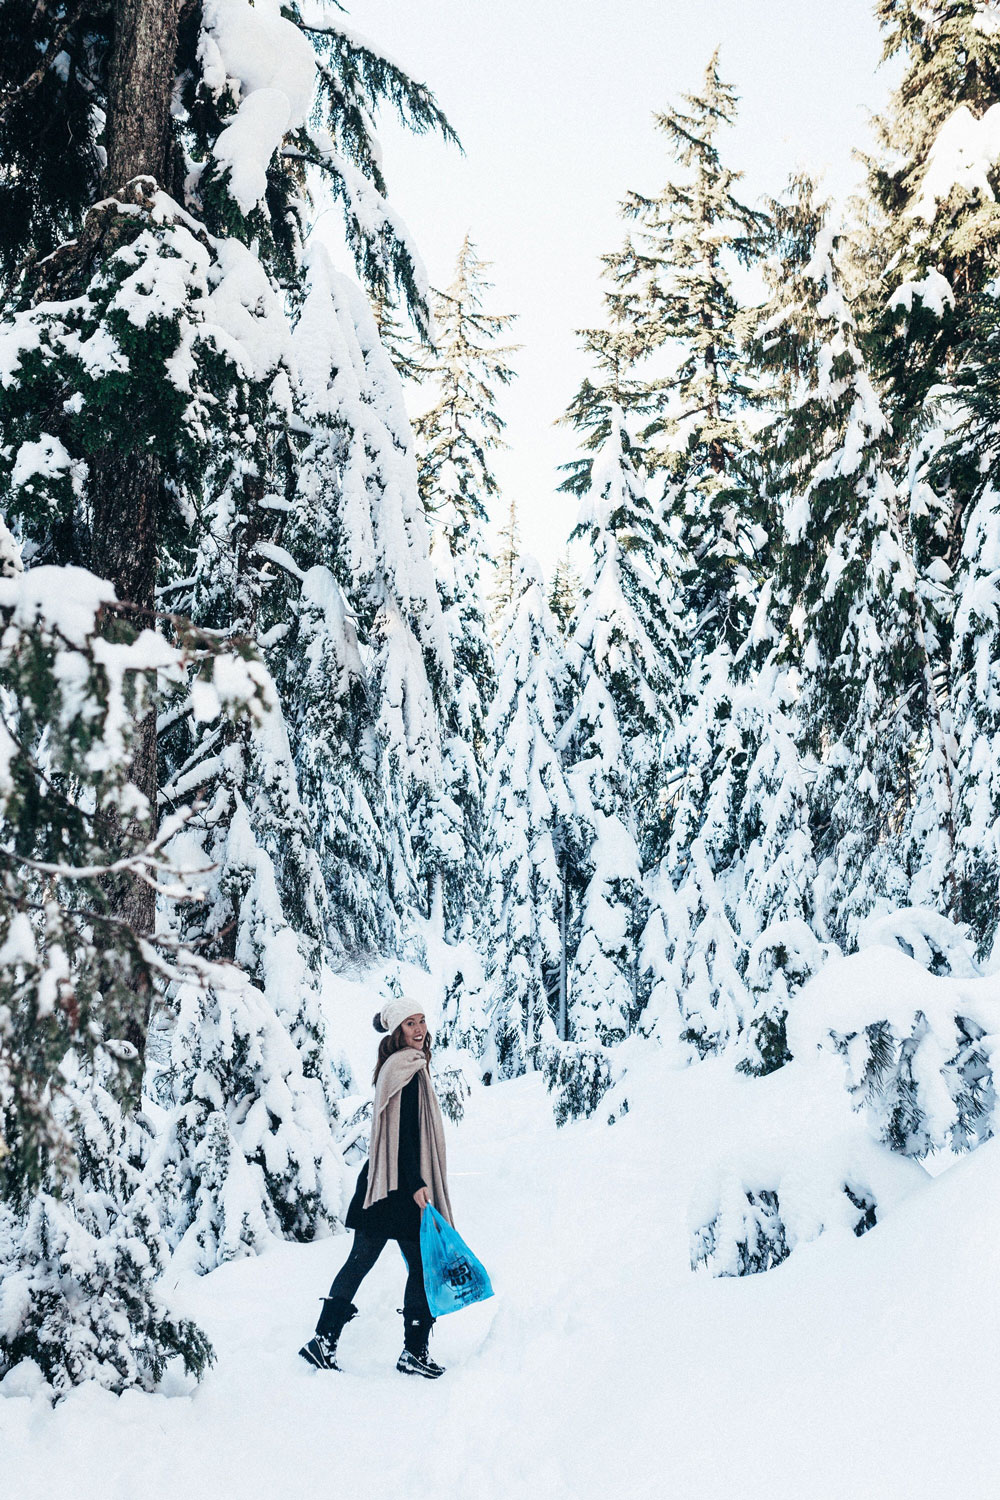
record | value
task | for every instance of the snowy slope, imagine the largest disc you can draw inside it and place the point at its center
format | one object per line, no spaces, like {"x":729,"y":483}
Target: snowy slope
{"x":603,"y":1367}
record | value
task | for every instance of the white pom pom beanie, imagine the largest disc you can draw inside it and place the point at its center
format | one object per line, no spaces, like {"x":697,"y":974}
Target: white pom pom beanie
{"x":395,"y":1011}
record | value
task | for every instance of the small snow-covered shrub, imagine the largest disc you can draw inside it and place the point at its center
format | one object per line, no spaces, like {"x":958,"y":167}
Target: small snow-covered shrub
{"x":452,"y":1089}
{"x":578,"y":1076}
{"x":930,"y":939}
{"x":926,"y":1088}
{"x":744,"y":1237}
{"x":783,"y":958}
{"x":73,"y":1298}
{"x":793,"y":1160}
{"x":918,"y":1047}
{"x":747,"y":1234}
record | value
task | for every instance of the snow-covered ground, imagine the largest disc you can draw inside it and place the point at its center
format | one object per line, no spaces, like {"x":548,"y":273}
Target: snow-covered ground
{"x":603,"y":1367}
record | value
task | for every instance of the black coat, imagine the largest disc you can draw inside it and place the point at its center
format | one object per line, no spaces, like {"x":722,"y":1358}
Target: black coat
{"x":396,"y":1216}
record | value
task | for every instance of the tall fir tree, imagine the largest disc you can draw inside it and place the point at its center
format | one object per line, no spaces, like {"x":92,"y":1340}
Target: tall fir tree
{"x":928,"y":264}
{"x":672,"y":295}
{"x":623,"y":642}
{"x":508,"y":565}
{"x":673,"y":301}
{"x":355,"y":513}
{"x":83,"y":1236}
{"x":863,"y":635}
{"x":456,"y":436}
{"x":530,"y":828}
{"x":156,"y":420}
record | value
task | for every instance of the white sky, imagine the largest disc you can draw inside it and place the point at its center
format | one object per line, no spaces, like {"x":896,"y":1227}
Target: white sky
{"x":553,"y":102}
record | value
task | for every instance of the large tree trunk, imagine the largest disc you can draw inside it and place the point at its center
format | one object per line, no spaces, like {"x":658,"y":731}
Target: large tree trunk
{"x":127,"y":487}
{"x":140,"y":87}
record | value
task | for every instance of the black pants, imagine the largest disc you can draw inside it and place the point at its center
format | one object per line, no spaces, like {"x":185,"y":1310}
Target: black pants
{"x":364,"y":1253}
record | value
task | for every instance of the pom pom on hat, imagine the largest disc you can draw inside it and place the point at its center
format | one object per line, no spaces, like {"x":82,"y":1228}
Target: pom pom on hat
{"x":395,"y":1011}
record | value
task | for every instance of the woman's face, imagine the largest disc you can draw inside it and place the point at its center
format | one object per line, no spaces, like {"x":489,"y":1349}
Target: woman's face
{"x":414,"y":1030}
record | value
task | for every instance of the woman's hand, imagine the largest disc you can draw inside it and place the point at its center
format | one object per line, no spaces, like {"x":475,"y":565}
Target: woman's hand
{"x":422,"y":1197}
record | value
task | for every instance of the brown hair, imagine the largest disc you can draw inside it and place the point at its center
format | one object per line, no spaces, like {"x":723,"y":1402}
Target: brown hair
{"x":395,"y":1042}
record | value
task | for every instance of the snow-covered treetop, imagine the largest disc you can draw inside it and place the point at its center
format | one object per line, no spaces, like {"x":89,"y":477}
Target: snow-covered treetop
{"x":782,"y":343}
{"x":671,"y":279}
{"x":672,"y":302}
{"x":614,"y":388}
{"x":617,"y":488}
{"x":527,"y":650}
{"x":467,"y":368}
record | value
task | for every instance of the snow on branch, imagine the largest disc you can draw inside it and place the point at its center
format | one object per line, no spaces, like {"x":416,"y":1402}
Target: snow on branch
{"x":377,"y":235}
{"x":79,"y":672}
{"x":964,"y":155}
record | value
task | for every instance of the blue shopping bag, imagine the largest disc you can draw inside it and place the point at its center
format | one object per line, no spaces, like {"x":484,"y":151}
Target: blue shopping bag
{"x":453,"y":1277}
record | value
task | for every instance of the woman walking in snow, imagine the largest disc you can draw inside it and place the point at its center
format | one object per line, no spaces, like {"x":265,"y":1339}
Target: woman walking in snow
{"x":405,"y":1170}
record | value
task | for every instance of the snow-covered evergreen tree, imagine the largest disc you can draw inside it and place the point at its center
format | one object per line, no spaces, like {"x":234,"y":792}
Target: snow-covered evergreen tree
{"x":81,"y":1242}
{"x":456,"y":436}
{"x":623,"y":646}
{"x":163,"y":423}
{"x":773,"y":894}
{"x":672,"y":294}
{"x":356,"y":515}
{"x":564,"y":591}
{"x":867,"y":704}
{"x":929,"y":261}
{"x":246,"y":1150}
{"x":529,"y":828}
{"x":674,"y":307}
{"x":508,"y":565}
{"x":78,"y":1266}
{"x":251,"y":1080}
{"x":694,"y":951}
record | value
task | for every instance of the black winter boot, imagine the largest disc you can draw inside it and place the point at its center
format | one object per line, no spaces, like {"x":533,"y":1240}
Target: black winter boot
{"x":321,"y":1350}
{"x":415,"y":1360}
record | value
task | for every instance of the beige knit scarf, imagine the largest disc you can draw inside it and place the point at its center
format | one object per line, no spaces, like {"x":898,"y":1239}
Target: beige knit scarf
{"x":397,"y":1071}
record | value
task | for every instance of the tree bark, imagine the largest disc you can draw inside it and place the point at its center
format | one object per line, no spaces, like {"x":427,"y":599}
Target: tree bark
{"x":126,"y":489}
{"x":140,"y":87}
